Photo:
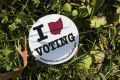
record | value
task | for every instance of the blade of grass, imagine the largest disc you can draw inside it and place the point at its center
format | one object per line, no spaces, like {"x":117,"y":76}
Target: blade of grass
{"x":97,"y":4}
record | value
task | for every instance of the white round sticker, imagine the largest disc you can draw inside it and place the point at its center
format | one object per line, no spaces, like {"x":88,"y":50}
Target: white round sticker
{"x":53,"y":39}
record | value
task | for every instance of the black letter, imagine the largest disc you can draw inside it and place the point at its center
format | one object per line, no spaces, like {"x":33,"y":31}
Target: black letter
{"x":72,"y":38}
{"x":63,"y":40}
{"x":52,"y":45}
{"x":46,"y":48}
{"x":40,"y":33}
{"x":58,"y":45}
{"x":39,"y":51}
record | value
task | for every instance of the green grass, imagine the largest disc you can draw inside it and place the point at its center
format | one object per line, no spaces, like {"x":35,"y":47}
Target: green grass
{"x":98,"y":22}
